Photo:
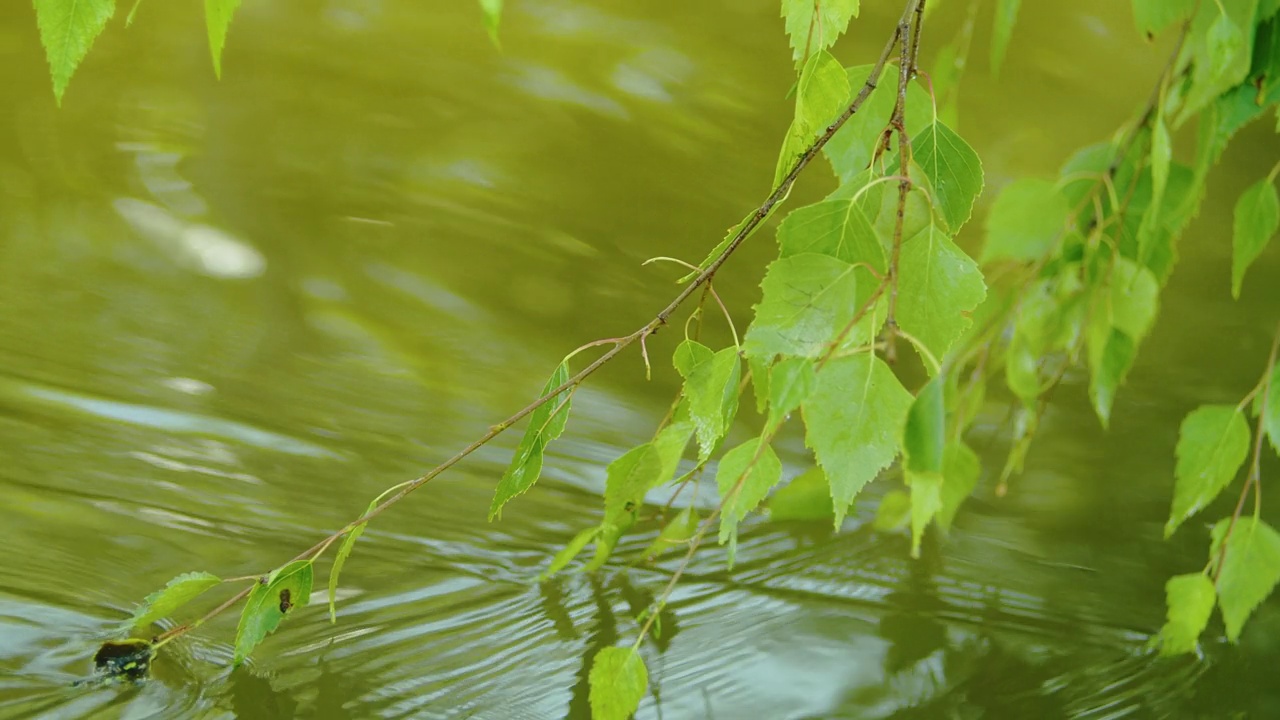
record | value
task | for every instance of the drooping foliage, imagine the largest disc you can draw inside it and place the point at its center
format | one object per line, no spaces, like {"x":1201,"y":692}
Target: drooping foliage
{"x":880,"y":326}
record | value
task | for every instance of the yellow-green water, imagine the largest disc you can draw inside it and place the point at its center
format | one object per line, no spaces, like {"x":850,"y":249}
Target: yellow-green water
{"x":232,"y":312}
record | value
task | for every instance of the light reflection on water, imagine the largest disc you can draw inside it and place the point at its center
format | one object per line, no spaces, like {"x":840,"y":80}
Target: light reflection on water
{"x":233,"y":312}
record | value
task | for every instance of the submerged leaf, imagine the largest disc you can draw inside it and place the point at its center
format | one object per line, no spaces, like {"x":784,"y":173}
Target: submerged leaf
{"x":1250,"y":569}
{"x":618,"y":680}
{"x":1212,"y":444}
{"x":545,"y":424}
{"x":1190,"y":600}
{"x":217,"y":16}
{"x":176,"y":593}
{"x":852,"y":423}
{"x":269,"y":602}
{"x":67,"y":31}
{"x":344,"y":551}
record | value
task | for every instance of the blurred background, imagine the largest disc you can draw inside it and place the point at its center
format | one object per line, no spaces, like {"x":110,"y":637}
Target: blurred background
{"x":232,"y":312}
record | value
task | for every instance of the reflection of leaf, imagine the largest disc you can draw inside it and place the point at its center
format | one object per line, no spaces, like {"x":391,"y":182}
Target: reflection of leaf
{"x":1250,"y":569}
{"x":285,"y":589}
{"x":1190,"y":601}
{"x":67,"y":30}
{"x":1212,"y":444}
{"x":545,"y":424}
{"x":344,"y":551}
{"x":176,"y":593}
{"x":806,"y":497}
{"x":618,"y":680}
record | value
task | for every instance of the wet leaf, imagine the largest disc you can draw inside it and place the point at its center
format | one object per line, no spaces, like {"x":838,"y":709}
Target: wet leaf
{"x":852,"y":424}
{"x":1250,"y":569}
{"x":1212,"y":444}
{"x":176,"y":593}
{"x":1257,"y":217}
{"x":269,"y":602}
{"x":344,"y":551}
{"x":545,"y":425}
{"x":618,"y":680}
{"x":1190,"y":599}
{"x":67,"y":31}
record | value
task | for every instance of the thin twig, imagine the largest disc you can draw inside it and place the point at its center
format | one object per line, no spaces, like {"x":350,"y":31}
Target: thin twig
{"x":762,"y":212}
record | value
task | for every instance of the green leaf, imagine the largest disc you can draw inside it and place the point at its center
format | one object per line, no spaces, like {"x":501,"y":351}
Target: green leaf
{"x":954,"y":171}
{"x":814,"y":25}
{"x":1152,"y":16}
{"x":492,"y":10}
{"x":1212,"y":444}
{"x":1161,"y":156}
{"x":1002,"y":27}
{"x":745,"y":476}
{"x":790,"y":383}
{"x":1133,"y":298}
{"x":1257,"y":217}
{"x":926,"y":501}
{"x":1111,"y":355}
{"x":217,"y":16}
{"x":627,"y":480}
{"x":1190,"y":601}
{"x":67,"y":31}
{"x":939,"y":285}
{"x":821,"y":95}
{"x":806,"y":497}
{"x":1271,"y":411}
{"x":176,"y":593}
{"x":712,"y":390}
{"x":618,"y":681}
{"x":670,"y":444}
{"x":677,"y":532}
{"x":1221,"y":50}
{"x":960,"y":471}
{"x":1022,"y":369}
{"x":269,"y":602}
{"x":759,"y":368}
{"x":833,"y":227}
{"x":894,"y":511}
{"x":849,"y":150}
{"x":344,"y":551}
{"x":690,"y":354}
{"x":569,"y":552}
{"x":1025,"y":221}
{"x":924,"y":435}
{"x":807,"y":300}
{"x":545,"y":424}
{"x":852,"y":423}
{"x":1250,"y":569}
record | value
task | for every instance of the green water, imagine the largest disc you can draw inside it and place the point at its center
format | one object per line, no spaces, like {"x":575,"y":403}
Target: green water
{"x":232,"y":312}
